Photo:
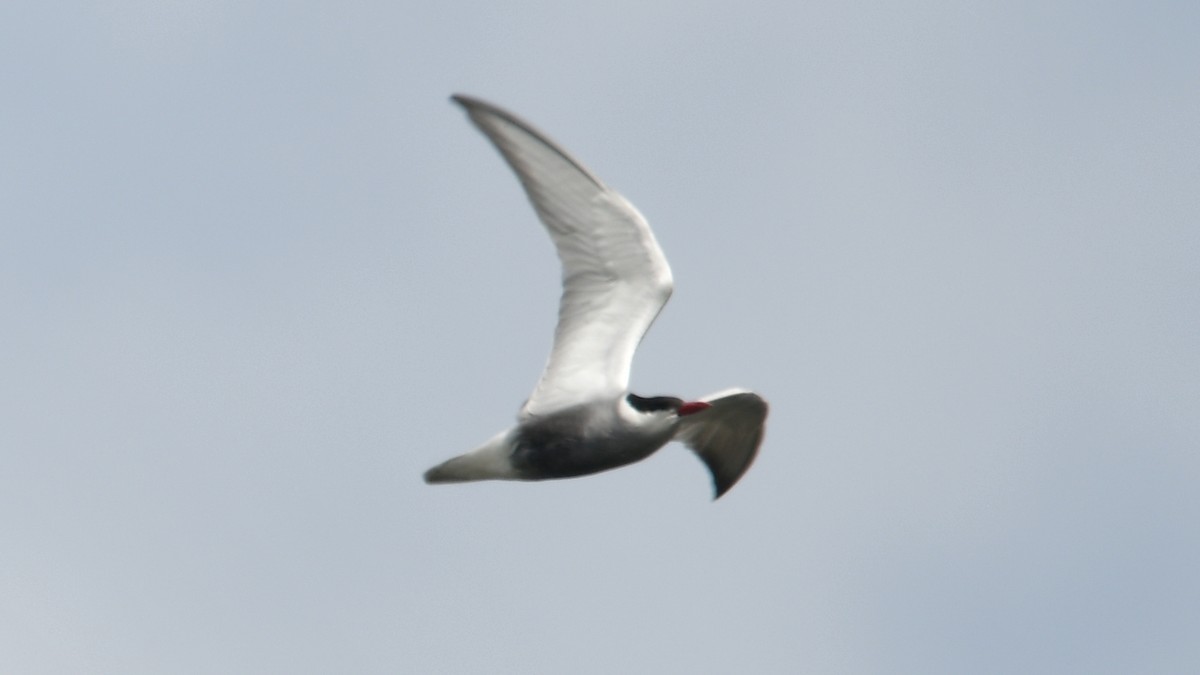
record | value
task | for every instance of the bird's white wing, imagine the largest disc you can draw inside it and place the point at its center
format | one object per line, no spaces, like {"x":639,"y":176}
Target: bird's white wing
{"x":615,"y":277}
{"x":726,"y":435}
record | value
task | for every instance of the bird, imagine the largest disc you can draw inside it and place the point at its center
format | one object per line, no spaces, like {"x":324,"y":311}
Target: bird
{"x":581,"y":417}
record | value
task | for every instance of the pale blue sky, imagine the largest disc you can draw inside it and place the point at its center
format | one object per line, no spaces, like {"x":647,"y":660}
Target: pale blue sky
{"x":257,"y":273}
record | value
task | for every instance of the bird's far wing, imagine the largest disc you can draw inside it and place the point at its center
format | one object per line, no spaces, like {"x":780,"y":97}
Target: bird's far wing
{"x":726,"y":435}
{"x":615,"y":277}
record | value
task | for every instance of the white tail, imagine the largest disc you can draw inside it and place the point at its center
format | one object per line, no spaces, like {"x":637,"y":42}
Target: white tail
{"x":491,"y":461}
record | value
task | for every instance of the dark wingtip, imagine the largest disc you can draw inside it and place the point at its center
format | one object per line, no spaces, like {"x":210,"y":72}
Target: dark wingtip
{"x":473,"y":105}
{"x":725,"y":476}
{"x":470,"y":104}
{"x":478,"y":110}
{"x":719,"y":488}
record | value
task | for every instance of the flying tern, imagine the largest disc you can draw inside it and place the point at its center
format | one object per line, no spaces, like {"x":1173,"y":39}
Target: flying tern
{"x":581,"y":417}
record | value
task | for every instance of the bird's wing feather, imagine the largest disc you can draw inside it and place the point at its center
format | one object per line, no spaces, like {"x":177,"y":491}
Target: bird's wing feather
{"x":726,"y":436}
{"x":615,"y":277}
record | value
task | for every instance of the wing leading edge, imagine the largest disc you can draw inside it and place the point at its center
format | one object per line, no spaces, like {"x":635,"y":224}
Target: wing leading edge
{"x":615,"y":277}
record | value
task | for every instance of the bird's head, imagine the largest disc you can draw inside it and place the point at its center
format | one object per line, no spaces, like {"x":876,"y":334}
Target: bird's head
{"x":665,"y":405}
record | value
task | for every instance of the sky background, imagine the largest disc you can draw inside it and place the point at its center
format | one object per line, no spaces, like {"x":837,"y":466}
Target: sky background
{"x":257,"y":274}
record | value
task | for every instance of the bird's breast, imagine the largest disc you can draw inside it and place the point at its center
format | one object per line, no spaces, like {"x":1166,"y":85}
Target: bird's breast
{"x":563,"y":446}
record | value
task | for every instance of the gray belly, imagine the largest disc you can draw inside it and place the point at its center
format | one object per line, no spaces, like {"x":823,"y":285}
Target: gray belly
{"x":561,"y":447}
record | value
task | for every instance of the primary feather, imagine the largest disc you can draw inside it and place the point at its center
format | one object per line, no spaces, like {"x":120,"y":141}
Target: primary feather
{"x":615,"y":276}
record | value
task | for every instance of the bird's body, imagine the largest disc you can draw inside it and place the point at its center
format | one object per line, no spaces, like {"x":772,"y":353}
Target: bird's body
{"x":581,"y":418}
